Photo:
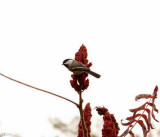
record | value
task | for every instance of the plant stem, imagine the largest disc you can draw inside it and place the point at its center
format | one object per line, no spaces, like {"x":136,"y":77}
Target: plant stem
{"x":85,"y":132}
{"x":40,"y":89}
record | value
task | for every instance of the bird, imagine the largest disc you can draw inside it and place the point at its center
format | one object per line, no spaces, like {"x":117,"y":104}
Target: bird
{"x":78,"y":68}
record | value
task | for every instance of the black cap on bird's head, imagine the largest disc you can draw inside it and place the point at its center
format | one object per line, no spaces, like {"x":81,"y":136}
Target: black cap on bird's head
{"x":65,"y":62}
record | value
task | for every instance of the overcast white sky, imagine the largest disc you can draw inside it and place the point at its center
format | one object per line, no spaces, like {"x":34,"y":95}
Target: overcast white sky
{"x":123,"y":42}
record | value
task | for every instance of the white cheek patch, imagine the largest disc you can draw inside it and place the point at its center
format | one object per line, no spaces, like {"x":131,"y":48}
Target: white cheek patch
{"x":69,"y":62}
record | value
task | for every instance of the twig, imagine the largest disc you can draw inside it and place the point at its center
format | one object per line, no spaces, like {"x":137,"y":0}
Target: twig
{"x":40,"y":89}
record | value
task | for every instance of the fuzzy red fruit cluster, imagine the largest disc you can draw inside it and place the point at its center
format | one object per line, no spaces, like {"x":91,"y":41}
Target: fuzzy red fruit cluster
{"x":110,"y":127}
{"x":80,"y":82}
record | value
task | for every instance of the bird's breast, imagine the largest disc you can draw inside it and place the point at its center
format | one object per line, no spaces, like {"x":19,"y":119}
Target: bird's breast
{"x":77,"y":72}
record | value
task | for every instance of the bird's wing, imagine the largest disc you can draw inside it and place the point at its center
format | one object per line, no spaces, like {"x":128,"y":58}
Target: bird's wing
{"x":78,"y":66}
{"x":79,"y":69}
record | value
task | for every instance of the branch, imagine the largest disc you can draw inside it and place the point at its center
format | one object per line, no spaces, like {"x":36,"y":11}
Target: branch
{"x":85,"y":131}
{"x":40,"y":89}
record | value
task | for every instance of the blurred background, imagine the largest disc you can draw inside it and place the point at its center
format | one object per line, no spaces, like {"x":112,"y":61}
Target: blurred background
{"x":122,"y":38}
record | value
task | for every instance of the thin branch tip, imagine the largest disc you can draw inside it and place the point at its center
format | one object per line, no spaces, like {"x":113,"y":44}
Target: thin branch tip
{"x":40,"y":89}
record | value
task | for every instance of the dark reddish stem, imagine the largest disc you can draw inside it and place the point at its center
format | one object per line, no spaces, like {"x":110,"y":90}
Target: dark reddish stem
{"x":40,"y":89}
{"x":85,"y":131}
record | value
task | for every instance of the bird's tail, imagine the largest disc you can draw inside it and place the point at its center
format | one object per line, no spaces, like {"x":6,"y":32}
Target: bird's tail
{"x":93,"y":74}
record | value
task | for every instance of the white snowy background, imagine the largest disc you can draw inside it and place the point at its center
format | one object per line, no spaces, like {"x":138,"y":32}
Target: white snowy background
{"x":123,"y":42}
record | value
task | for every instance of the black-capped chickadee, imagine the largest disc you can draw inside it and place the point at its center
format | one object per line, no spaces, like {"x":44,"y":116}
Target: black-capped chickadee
{"x":78,"y":68}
